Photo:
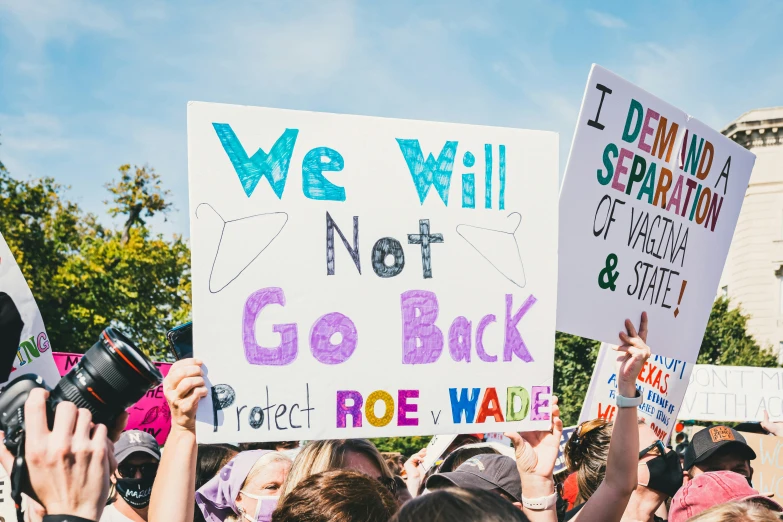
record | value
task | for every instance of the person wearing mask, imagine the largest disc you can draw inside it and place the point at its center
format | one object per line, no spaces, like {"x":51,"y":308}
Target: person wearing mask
{"x":137,"y":454}
{"x":719,"y":448}
{"x":710,"y":489}
{"x":496,"y":473}
{"x":245,"y":489}
{"x":337,"y":496}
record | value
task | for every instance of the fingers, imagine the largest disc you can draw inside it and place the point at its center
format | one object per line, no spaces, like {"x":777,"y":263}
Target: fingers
{"x":36,"y":426}
{"x":181,"y":370}
{"x":643,"y":327}
{"x":83,"y":425}
{"x":187,"y":384}
{"x":516,"y":439}
{"x":631,"y":328}
{"x":190,"y":403}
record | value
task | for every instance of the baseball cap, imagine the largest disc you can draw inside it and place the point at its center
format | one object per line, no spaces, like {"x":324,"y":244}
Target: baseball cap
{"x":709,"y":440}
{"x":713,"y":488}
{"x":485,"y":472}
{"x":135,"y":441}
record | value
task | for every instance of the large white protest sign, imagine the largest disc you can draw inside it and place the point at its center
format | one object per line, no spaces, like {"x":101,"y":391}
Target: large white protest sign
{"x":24,"y":345}
{"x":363,"y":277}
{"x":733,"y":394}
{"x":648,"y":207}
{"x":662,"y":382}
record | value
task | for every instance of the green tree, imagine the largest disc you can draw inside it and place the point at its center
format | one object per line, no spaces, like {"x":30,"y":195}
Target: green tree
{"x":405,"y":445}
{"x":574,"y":362}
{"x":727,"y":342}
{"x":86,"y":276}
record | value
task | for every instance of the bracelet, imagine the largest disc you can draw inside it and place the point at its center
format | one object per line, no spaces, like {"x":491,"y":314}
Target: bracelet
{"x":540,"y":503}
{"x":630,"y":402}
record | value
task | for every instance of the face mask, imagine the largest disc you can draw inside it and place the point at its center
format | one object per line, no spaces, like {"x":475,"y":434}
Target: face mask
{"x":135,"y":492}
{"x":265,"y":505}
{"x":665,"y":473}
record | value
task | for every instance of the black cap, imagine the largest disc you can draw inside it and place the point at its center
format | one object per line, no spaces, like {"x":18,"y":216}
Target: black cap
{"x":709,"y":440}
{"x":135,"y":441}
{"x":485,"y":472}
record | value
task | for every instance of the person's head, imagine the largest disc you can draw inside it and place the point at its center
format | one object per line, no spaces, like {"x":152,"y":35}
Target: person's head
{"x":395,"y":461}
{"x":712,"y":488}
{"x":463,"y":440}
{"x":212,"y":457}
{"x":245,"y":487}
{"x":325,"y":455}
{"x":273,"y":446}
{"x":495,"y":473}
{"x":337,"y":496}
{"x":465,"y":505}
{"x":455,"y":459}
{"x":719,"y":448}
{"x":738,"y":512}
{"x":137,"y":454}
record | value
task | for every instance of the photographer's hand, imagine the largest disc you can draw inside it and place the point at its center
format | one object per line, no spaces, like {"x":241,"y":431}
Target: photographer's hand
{"x":69,"y":466}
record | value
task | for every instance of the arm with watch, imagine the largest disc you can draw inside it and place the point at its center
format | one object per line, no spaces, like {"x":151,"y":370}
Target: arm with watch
{"x":609,"y":501}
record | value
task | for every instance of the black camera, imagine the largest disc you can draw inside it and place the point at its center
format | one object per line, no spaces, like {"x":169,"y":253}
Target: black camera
{"x":112,"y":375}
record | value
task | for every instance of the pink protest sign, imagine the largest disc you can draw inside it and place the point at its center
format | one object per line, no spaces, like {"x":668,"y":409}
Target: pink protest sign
{"x":150,"y":414}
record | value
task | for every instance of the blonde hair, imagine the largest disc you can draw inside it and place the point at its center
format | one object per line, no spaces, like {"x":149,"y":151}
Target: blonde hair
{"x":326,"y":455}
{"x":743,"y":511}
{"x":261,"y":463}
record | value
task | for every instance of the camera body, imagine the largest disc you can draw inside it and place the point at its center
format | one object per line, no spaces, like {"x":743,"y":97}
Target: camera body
{"x":111,"y":376}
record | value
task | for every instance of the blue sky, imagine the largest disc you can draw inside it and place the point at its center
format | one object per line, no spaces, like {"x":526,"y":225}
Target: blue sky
{"x":86,"y":86}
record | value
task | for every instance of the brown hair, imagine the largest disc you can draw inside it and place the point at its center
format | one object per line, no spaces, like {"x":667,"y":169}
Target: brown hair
{"x":465,"y":505}
{"x":586,"y":453}
{"x":394,"y":460}
{"x":326,"y":455}
{"x":339,"y":496}
{"x":737,"y":511}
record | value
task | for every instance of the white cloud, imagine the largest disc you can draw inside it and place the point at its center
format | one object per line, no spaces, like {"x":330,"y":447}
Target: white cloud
{"x":45,"y":20}
{"x":606,"y":20}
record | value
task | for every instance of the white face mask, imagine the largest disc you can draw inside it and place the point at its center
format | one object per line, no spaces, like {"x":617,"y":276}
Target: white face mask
{"x":265,"y":504}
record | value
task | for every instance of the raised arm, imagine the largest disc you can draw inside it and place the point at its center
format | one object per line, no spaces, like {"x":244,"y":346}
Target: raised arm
{"x":536,"y":454}
{"x":609,"y":501}
{"x":174,"y":490}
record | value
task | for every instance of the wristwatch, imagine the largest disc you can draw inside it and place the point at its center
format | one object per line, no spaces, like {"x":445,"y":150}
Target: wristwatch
{"x":540,"y":503}
{"x":629,"y":402}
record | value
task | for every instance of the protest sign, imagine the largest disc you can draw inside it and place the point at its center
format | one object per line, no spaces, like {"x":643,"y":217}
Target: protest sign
{"x":662,"y":382}
{"x":768,"y":466}
{"x":733,"y":394}
{"x":150,"y":414}
{"x":560,"y":463}
{"x":366,"y":277}
{"x":648,"y":207}
{"x":24,"y":345}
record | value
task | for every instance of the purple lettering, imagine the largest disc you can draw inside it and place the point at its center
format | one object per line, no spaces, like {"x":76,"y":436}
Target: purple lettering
{"x":514,"y":344}
{"x":422,"y":341}
{"x":538,"y":403}
{"x":403,"y":408}
{"x":483,"y":355}
{"x":322,"y":332}
{"x":459,"y":339}
{"x":280,"y":355}
{"x":354,"y":410}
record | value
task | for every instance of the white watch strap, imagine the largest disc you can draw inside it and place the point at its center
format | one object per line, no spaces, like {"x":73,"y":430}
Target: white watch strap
{"x":629,"y":402}
{"x":540,"y":503}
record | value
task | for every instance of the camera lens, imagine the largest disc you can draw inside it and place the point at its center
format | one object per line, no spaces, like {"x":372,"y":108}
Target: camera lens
{"x":111,"y":376}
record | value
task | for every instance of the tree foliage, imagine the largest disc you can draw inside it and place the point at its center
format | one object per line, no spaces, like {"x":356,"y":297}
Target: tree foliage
{"x":405,"y":445}
{"x":86,"y":276}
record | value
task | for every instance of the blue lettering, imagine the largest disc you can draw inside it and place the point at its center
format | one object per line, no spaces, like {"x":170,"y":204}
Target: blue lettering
{"x":464,"y":404}
{"x":431,"y":172}
{"x":314,"y":183}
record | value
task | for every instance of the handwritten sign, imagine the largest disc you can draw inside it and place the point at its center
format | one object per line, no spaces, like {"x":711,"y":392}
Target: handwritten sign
{"x":733,"y":394}
{"x":366,"y":277}
{"x":648,"y":207}
{"x":768,"y":466}
{"x":662,"y":382}
{"x":150,"y":414}
{"x":24,"y":344}
{"x":560,"y":463}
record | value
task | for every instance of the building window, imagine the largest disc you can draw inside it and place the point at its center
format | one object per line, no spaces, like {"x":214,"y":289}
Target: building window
{"x":724,"y":291}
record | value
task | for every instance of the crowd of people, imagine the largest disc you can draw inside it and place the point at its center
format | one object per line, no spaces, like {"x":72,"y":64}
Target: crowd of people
{"x":619,"y":470}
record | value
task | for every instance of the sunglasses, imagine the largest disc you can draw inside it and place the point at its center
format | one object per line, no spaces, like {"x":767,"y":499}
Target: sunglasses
{"x":649,"y":449}
{"x":148,"y":469}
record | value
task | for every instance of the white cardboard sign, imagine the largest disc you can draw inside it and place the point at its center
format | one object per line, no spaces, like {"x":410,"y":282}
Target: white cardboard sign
{"x":648,"y":207}
{"x":733,"y":394}
{"x":662,"y":382}
{"x":365,"y":277}
{"x":23,"y":331}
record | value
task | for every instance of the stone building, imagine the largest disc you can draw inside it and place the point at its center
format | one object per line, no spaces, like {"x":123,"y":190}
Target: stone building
{"x":753,"y":275}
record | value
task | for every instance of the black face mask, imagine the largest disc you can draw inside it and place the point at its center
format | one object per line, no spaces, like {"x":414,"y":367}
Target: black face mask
{"x":665,"y":473}
{"x":135,"y":492}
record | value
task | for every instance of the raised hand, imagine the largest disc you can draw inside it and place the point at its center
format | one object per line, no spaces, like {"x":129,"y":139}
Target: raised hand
{"x":184,"y":387}
{"x":775,"y":428}
{"x":633,"y":352}
{"x":414,"y":471}
{"x":536,"y":451}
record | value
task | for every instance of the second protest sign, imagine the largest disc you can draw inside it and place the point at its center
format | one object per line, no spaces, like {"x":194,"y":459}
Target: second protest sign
{"x":364,"y":277}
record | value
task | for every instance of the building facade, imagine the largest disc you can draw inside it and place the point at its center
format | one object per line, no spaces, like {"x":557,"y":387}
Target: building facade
{"x":753,"y":274}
